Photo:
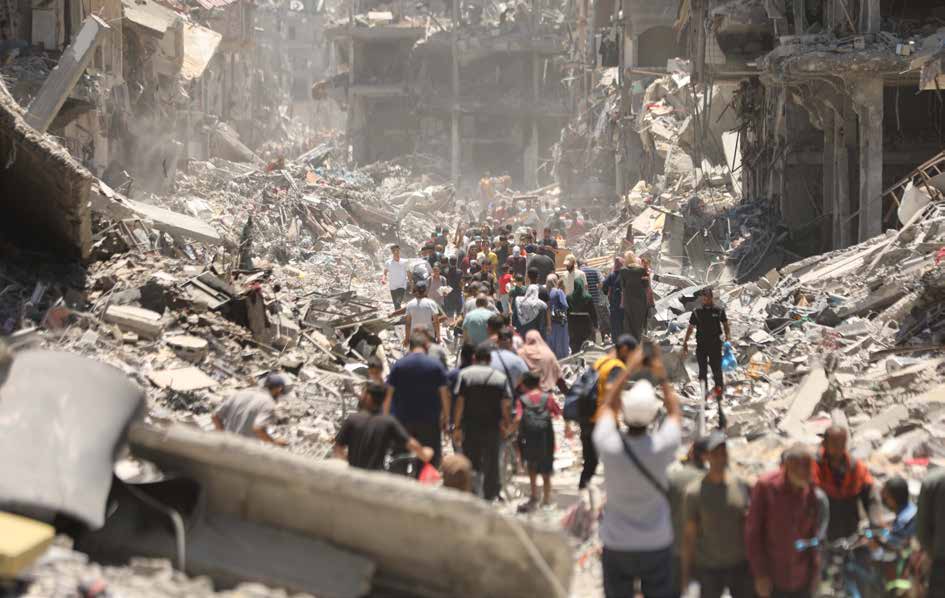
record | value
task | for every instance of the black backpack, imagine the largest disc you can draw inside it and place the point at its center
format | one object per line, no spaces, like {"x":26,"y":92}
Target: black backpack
{"x":581,"y":400}
{"x":536,"y":418}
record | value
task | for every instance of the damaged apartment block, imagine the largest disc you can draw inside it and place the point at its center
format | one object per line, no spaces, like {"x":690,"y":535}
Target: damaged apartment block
{"x":829,"y":114}
{"x":481,"y":85}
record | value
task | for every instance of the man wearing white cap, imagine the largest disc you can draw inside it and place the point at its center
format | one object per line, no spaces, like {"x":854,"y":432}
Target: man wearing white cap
{"x":637,"y":530}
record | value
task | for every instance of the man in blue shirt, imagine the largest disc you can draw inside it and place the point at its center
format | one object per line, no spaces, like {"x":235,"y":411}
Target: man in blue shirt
{"x":418,"y":395}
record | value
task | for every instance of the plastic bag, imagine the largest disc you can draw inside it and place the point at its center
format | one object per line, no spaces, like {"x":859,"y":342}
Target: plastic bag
{"x":729,"y":363}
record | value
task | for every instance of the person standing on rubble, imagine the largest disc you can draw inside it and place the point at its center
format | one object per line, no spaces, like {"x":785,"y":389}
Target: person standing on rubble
{"x":368,"y":437}
{"x":395,"y":274}
{"x":636,"y":529}
{"x":614,"y":294}
{"x":633,"y":284}
{"x":483,"y":416}
{"x":785,"y":507}
{"x":418,"y":395}
{"x":249,"y":412}
{"x":437,"y":282}
{"x":714,"y":539}
{"x":709,"y":320}
{"x":847,"y":483}
{"x":422,"y":314}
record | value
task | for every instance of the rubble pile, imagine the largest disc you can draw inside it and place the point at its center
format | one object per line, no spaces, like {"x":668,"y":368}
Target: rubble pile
{"x":854,"y":335}
{"x":292,"y":288}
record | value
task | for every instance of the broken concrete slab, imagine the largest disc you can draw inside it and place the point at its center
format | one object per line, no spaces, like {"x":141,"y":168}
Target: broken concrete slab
{"x":57,"y":86}
{"x":109,"y":202}
{"x":887,"y":421}
{"x":189,"y":348}
{"x":182,"y":379}
{"x":138,"y":320}
{"x":804,"y":402}
{"x":374,"y":514}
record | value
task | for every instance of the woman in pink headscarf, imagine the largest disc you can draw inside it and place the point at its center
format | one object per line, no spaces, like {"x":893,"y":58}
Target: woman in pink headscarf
{"x":539,"y":357}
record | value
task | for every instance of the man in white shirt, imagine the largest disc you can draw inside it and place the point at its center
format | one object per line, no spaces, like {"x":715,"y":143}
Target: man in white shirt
{"x":395,"y":274}
{"x":637,"y":529}
{"x":422,"y":313}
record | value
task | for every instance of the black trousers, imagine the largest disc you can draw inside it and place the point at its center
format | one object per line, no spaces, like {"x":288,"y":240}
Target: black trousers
{"x":710,"y":356}
{"x":481,"y":447}
{"x":737,"y":579}
{"x":937,"y":580}
{"x":427,"y":434}
{"x":590,"y":454}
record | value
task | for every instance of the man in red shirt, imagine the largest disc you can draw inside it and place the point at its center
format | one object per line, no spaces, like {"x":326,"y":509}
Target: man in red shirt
{"x":786,"y":507}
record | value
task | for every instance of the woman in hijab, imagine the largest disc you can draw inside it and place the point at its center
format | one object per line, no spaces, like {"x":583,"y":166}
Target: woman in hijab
{"x":580,"y":323}
{"x":634,"y":283}
{"x":558,"y":306}
{"x":532,"y":312}
{"x":538,"y":356}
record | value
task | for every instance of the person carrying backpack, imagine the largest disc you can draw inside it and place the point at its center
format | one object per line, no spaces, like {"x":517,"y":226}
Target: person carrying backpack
{"x":607,"y":369}
{"x":534,"y":410}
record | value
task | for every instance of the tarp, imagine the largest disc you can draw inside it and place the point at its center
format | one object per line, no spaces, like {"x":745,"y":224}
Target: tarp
{"x":63,"y":418}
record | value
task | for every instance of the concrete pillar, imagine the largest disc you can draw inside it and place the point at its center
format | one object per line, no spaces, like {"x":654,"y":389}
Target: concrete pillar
{"x":844,"y":134}
{"x":58,"y":85}
{"x":868,"y":103}
{"x":829,"y":202}
{"x":869,"y":16}
{"x":455,"y":122}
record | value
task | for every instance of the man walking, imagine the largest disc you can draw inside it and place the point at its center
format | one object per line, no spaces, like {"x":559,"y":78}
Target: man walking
{"x":395,"y":274}
{"x":249,"y":412}
{"x":594,"y":280}
{"x":708,"y":321}
{"x":930,"y":530}
{"x":367,"y":437}
{"x":847,"y":483}
{"x":422,"y":314}
{"x":475,"y":323}
{"x":636,"y":529}
{"x":482,"y":414}
{"x":786,"y":507}
{"x":418,"y":395}
{"x":714,"y":538}
{"x":612,"y":289}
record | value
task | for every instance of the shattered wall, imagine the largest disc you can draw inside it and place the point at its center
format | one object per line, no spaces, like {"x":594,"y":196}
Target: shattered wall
{"x":44,"y":192}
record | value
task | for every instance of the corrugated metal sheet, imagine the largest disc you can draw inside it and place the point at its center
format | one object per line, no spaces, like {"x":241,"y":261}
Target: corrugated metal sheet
{"x":200,"y":44}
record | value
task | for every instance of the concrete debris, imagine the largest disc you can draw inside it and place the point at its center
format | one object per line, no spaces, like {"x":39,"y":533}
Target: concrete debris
{"x":182,"y":380}
{"x":140,"y":321}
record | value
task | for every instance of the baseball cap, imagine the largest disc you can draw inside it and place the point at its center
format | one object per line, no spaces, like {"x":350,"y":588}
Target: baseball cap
{"x":639,"y":404}
{"x":714,"y":440}
{"x":275,"y":379}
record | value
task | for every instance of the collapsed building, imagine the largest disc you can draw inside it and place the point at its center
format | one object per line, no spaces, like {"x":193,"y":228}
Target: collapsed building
{"x":483,"y":89}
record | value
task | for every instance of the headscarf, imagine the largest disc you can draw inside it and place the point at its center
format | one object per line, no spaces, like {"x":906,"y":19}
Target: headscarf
{"x":552,"y":281}
{"x":529,"y":306}
{"x":580,"y":296}
{"x":631,"y":260}
{"x":538,"y":356}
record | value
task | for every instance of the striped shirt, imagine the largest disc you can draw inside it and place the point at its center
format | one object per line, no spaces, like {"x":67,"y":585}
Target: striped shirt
{"x":593,"y":284}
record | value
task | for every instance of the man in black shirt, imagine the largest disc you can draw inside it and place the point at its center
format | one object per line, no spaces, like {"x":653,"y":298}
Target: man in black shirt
{"x":708,"y":320}
{"x":543,"y":264}
{"x":367,"y":436}
{"x":548,"y":239}
{"x":482,"y":412}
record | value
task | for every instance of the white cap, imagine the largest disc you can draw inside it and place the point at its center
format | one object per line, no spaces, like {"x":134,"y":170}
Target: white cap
{"x":516,"y":250}
{"x":640,"y":404}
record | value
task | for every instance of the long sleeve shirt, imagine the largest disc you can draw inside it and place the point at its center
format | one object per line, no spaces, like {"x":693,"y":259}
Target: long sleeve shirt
{"x":930,"y":516}
{"x":779,"y":515}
